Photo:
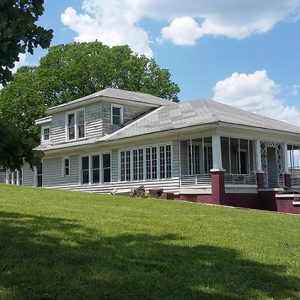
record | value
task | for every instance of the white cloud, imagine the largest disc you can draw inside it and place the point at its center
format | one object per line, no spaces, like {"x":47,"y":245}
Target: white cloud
{"x":258,"y":93}
{"x":117,"y":22}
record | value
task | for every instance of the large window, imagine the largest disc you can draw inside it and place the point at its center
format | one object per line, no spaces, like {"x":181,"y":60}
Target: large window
{"x":75,"y":125}
{"x":85,"y":169}
{"x":146,"y":163}
{"x":116,"y":114}
{"x":91,"y":167}
{"x":106,"y":168}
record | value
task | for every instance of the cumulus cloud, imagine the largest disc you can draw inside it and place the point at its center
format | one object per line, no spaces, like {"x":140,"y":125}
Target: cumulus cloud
{"x":117,"y":22}
{"x":257,"y":93}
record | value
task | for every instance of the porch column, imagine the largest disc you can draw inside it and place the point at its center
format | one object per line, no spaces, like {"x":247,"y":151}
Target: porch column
{"x":287,"y":175}
{"x":7,"y":177}
{"x":217,"y":172}
{"x":259,"y":171}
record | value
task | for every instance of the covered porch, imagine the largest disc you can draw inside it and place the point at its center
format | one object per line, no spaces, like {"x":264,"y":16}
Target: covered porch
{"x":239,"y":162}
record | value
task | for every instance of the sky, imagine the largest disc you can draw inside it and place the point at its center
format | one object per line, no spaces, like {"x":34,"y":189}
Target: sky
{"x":245,"y":53}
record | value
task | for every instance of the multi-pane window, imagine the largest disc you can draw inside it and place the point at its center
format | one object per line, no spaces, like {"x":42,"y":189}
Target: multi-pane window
{"x":85,"y":169}
{"x":116,"y":114}
{"x":91,"y":167}
{"x":75,"y":125}
{"x":46,"y":134}
{"x":138,"y":164}
{"x":95,"y":169}
{"x":157,"y":161}
{"x":106,"y":166}
{"x":126,"y":166}
{"x":66,"y":166}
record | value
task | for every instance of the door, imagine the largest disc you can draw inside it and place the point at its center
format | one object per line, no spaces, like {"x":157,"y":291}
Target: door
{"x":39,"y":176}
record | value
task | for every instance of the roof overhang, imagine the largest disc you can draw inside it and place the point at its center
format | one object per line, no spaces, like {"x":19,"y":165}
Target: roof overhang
{"x":43,"y":120}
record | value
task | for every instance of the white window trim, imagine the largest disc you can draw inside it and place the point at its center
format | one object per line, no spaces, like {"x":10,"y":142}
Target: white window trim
{"x":75,"y":124}
{"x":63,"y":166}
{"x":43,"y":136}
{"x":111,"y":113}
{"x":144,"y":162}
{"x":90,"y":168}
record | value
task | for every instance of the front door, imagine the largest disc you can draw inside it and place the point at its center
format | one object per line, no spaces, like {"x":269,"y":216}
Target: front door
{"x":272,"y":167}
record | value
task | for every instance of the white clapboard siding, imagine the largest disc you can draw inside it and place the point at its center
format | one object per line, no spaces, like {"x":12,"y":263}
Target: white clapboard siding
{"x":53,"y":171}
{"x":28,"y":175}
{"x":93,"y":120}
{"x":58,"y":128}
{"x":175,"y":159}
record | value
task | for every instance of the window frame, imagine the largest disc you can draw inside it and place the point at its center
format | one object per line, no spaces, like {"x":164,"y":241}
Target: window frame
{"x":111,"y":114}
{"x":43,"y":134}
{"x":144,"y":147}
{"x":101,"y":173}
{"x":64,"y":166}
{"x":76,"y":131}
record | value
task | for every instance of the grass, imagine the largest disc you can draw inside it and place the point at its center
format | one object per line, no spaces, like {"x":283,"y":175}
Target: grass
{"x":70,"y":245}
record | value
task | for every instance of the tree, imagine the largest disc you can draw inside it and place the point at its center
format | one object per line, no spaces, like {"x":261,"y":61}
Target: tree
{"x":75,"y":70}
{"x":19,"y":33}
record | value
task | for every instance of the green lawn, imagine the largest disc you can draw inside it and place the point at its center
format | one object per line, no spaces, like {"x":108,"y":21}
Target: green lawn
{"x":70,"y":245}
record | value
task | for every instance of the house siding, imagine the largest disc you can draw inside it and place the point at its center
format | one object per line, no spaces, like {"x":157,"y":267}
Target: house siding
{"x":53,"y":172}
{"x":28,"y":175}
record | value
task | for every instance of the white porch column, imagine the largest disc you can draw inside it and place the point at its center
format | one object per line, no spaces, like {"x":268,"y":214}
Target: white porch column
{"x":7,"y":177}
{"x":217,"y":153}
{"x":258,"y":156}
{"x":286,"y":164}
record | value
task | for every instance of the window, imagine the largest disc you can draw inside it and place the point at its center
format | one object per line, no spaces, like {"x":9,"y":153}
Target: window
{"x":116,"y":115}
{"x":39,"y":176}
{"x":66,"y":166}
{"x":85,"y":170}
{"x":138,"y":164}
{"x":157,"y":161}
{"x":95,"y":169}
{"x":46,"y":134}
{"x":106,"y":166}
{"x":21,"y":177}
{"x":75,"y":125}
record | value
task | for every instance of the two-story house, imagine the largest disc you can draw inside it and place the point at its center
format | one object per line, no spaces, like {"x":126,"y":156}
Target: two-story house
{"x":115,"y":140}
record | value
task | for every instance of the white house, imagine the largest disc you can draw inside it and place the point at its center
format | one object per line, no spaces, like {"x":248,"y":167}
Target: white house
{"x":205,"y":151}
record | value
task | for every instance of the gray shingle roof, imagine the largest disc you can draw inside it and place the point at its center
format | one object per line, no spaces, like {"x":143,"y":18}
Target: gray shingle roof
{"x":116,"y":94}
{"x":197,"y":112}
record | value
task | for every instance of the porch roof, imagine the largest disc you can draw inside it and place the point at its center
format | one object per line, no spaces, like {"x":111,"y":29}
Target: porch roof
{"x":197,"y":112}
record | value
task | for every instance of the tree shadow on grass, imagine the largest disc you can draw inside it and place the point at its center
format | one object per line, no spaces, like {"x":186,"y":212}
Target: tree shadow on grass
{"x":50,"y":258}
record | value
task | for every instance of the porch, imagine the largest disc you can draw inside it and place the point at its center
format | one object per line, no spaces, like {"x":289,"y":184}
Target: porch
{"x":245,"y":164}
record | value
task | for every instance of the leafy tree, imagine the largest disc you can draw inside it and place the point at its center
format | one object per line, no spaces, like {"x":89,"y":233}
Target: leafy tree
{"x":19,"y":33}
{"x":15,"y":148}
{"x":75,"y":70}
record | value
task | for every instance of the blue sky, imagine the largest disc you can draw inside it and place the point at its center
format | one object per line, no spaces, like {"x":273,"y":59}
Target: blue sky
{"x":243,"y":53}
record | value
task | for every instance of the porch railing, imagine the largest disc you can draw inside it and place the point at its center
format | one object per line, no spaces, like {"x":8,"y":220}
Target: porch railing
{"x":201,"y":179}
{"x":249,"y":179}
{"x":295,"y":181}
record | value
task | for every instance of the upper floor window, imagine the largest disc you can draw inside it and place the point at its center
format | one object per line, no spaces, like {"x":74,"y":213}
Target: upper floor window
{"x":46,"y":133}
{"x":75,"y":125}
{"x":116,"y":114}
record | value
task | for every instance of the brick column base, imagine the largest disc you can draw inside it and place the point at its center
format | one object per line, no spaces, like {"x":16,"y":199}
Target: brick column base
{"x":287,"y":180}
{"x":260,"y":180}
{"x":217,"y":187}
